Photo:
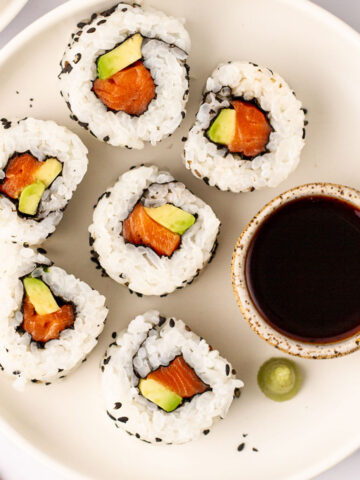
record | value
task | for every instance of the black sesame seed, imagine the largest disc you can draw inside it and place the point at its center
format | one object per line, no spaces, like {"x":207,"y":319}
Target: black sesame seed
{"x":183,"y":139}
{"x":162,"y":320}
{"x":227,"y":369}
{"x":60,"y":370}
{"x":206,"y":432}
{"x":117,"y":405}
{"x":158,"y":439}
{"x":101,"y":22}
{"x":102,"y":368}
{"x":34,"y":380}
{"x":41,"y":250}
{"x":111,"y":416}
{"x":255,"y":449}
{"x":237,"y":392}
{"x":123,"y":419}
{"x":107,"y":360}
{"x":91,"y":30}
{"x":113,"y":335}
{"x":16,"y":372}
{"x":137,"y":435}
{"x":106,"y":139}
{"x":48,"y":383}
{"x":241,"y":447}
{"x":84,"y":125}
{"x":67,"y":68}
{"x":109,"y":11}
{"x":245,"y":435}
{"x":172,"y":323}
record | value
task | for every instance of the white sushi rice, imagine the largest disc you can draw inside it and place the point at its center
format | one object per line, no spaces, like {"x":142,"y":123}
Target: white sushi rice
{"x":139,"y":267}
{"x":22,"y":358}
{"x":145,"y":346}
{"x":165,"y":50}
{"x":43,"y":139}
{"x":216,"y":165}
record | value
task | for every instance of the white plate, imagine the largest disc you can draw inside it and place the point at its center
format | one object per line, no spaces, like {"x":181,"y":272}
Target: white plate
{"x":8,"y":10}
{"x":319,"y":56}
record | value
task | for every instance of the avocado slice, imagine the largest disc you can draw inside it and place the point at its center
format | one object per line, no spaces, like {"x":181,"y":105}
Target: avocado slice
{"x":120,"y":57}
{"x":30,"y":198}
{"x":40,"y":296}
{"x":157,"y":393}
{"x":173,"y":218}
{"x":222,"y":129}
{"x":48,"y":171}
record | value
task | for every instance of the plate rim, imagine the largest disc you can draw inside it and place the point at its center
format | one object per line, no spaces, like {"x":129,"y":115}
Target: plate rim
{"x":11,"y":12}
{"x":56,"y":15}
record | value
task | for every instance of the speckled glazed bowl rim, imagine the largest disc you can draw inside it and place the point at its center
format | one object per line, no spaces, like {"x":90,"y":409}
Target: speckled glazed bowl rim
{"x":243,"y":298}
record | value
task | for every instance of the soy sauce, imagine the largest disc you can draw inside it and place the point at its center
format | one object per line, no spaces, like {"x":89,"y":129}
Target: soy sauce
{"x":303,"y":269}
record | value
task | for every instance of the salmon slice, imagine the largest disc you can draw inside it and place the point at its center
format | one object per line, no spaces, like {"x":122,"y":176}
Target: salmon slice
{"x":140,"y":229}
{"x":130,"y":90}
{"x":20,"y":173}
{"x":180,"y":378}
{"x":252,"y":130}
{"x":43,"y":328}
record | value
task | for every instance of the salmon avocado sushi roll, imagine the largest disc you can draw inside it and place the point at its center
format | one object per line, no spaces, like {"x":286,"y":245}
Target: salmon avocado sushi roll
{"x":164,"y":384}
{"x":151,"y":234}
{"x":124,"y":75}
{"x":49,"y":320}
{"x":41,"y":164}
{"x":249,"y":130}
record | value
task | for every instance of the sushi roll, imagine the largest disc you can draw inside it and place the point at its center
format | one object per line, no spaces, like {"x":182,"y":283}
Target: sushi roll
{"x":124,"y":75}
{"x":151,"y":234}
{"x":41,"y":164}
{"x":163,"y":383}
{"x":249,"y":130}
{"x":49,"y":320}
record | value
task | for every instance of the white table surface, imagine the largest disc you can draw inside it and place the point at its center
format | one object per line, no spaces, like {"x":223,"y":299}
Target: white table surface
{"x":15,"y":464}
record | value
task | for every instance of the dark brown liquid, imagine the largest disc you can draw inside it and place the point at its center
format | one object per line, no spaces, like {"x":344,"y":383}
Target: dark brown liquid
{"x":303,"y":269}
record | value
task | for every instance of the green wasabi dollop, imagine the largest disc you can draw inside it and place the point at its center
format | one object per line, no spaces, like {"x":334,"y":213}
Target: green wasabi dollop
{"x":279,"y":379}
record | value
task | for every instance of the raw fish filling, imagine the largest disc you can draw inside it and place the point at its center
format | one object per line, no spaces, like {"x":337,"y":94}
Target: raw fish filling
{"x":43,"y":318}
{"x":130,"y":90}
{"x":26,"y":180}
{"x":168,"y":386}
{"x":244,"y":129}
{"x":43,"y":328}
{"x":180,"y":378}
{"x":20,"y":172}
{"x":140,"y":229}
{"x":124,"y":83}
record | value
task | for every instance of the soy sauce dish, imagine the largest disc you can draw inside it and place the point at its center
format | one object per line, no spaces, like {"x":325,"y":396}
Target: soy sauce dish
{"x":296,"y":271}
